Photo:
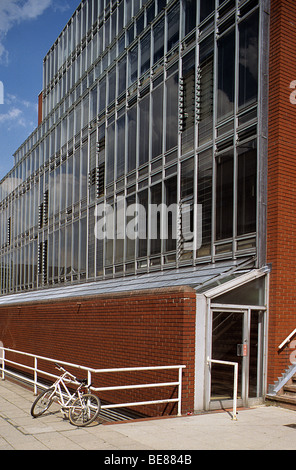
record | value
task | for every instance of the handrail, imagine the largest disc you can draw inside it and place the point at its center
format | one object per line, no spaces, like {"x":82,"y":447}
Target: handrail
{"x":287,"y":340}
{"x":89,"y":370}
{"x":283,"y":380}
{"x":235,"y":382}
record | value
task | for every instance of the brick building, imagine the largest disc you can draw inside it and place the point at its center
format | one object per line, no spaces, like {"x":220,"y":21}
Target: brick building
{"x":183,"y":109}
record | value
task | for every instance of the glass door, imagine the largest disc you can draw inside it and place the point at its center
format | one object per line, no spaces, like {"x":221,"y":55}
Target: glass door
{"x":237,"y":336}
{"x":228,"y":344}
{"x":256,"y":354}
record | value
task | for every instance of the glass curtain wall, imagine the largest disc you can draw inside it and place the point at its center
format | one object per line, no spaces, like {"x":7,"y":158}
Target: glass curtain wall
{"x":143,"y":103}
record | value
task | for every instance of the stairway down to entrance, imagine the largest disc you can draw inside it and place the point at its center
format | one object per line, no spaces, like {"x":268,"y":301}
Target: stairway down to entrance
{"x":286,"y":396}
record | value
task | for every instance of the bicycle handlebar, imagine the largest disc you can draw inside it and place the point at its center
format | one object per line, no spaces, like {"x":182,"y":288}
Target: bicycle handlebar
{"x":64,"y":370}
{"x":83,"y":381}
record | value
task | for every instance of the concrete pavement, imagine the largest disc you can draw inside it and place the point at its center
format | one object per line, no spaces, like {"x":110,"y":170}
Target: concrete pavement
{"x":259,"y":428}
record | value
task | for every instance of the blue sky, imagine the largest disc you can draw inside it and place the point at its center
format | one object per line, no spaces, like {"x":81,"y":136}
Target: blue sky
{"x":28,"y":28}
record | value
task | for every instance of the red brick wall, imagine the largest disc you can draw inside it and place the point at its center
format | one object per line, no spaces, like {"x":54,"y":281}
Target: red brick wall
{"x":281,"y":230}
{"x":148,"y":328}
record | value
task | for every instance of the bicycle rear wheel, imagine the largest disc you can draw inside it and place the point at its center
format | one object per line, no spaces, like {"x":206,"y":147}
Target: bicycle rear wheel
{"x":84,"y":410}
{"x":42,"y":402}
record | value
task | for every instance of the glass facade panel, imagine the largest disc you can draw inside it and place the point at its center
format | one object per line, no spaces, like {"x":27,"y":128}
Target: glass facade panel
{"x":206,"y":8}
{"x":157,"y":121}
{"x":131,"y":224}
{"x":82,"y":246}
{"x":187,"y":178}
{"x":171,"y":220}
{"x":188,"y":74}
{"x":224,"y":196}
{"x":172,"y":112}
{"x":144,"y":112}
{"x":226,"y":75}
{"x":154,"y":229}
{"x":247,"y":183}
{"x":111,"y":86}
{"x":133,"y":65}
{"x":205,"y":133}
{"x":158,"y":44}
{"x":70,"y":181}
{"x":75,"y":259}
{"x":102,"y":89}
{"x":127,"y":112}
{"x":110,"y":153}
{"x":190,"y":11}
{"x":120,"y":146}
{"x":145,"y":52}
{"x":173,"y":26}
{"x":121,"y":76}
{"x":248,"y":61}
{"x":143,"y":241}
{"x":76,"y":177}
{"x":251,"y":293}
{"x":205,"y":197}
{"x":83,"y":171}
{"x":132,"y":138}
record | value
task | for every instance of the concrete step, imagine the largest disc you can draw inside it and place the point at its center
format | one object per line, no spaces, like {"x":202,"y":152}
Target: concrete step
{"x":290,"y":390}
{"x":284,"y":401}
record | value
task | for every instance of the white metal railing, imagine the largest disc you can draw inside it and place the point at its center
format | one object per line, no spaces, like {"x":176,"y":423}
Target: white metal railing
{"x":235,"y":382}
{"x":34,"y":369}
{"x":287,"y":340}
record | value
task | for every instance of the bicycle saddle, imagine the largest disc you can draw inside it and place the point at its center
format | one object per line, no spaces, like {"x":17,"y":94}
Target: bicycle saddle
{"x":82,"y":381}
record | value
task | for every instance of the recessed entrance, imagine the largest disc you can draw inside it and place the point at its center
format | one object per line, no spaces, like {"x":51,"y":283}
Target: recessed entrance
{"x":237,"y":336}
{"x":227,"y":338}
{"x":231,"y":326}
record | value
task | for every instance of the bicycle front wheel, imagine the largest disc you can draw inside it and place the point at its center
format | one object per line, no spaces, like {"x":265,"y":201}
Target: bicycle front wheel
{"x":42,"y":402}
{"x":84,"y":410}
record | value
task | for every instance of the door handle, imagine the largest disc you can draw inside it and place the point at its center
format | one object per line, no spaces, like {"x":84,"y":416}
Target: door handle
{"x":242,"y":350}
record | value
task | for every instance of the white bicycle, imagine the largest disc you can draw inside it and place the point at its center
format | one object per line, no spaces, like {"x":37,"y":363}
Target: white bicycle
{"x":82,"y":408}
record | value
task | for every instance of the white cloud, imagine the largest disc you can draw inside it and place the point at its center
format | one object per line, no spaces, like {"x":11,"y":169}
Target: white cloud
{"x":20,"y":113}
{"x":16,"y":11}
{"x":3,"y":53}
{"x":15,"y":101}
{"x":61,"y":6}
{"x":12,"y":115}
{"x":33,"y":8}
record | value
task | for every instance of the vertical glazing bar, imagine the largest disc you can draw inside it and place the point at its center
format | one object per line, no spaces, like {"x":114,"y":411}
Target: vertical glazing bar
{"x":235,"y":153}
{"x":215,"y":92}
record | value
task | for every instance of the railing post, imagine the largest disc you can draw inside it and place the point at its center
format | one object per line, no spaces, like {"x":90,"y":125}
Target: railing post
{"x":3,"y":364}
{"x":35,"y":375}
{"x":180,"y":392}
{"x":88,"y":377}
{"x":235,"y":381}
{"x":234,"y":417}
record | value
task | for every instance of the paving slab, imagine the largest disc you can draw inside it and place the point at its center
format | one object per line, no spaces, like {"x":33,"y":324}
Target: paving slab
{"x":257,"y":428}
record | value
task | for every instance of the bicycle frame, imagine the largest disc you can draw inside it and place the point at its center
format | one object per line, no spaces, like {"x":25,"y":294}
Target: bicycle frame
{"x":79,"y":407}
{"x":61,"y":391}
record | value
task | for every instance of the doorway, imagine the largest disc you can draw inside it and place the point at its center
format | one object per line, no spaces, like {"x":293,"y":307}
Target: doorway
{"x":237,"y":336}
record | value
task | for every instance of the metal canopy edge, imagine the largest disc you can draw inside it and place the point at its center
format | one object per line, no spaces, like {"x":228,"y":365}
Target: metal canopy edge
{"x":198,"y":277}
